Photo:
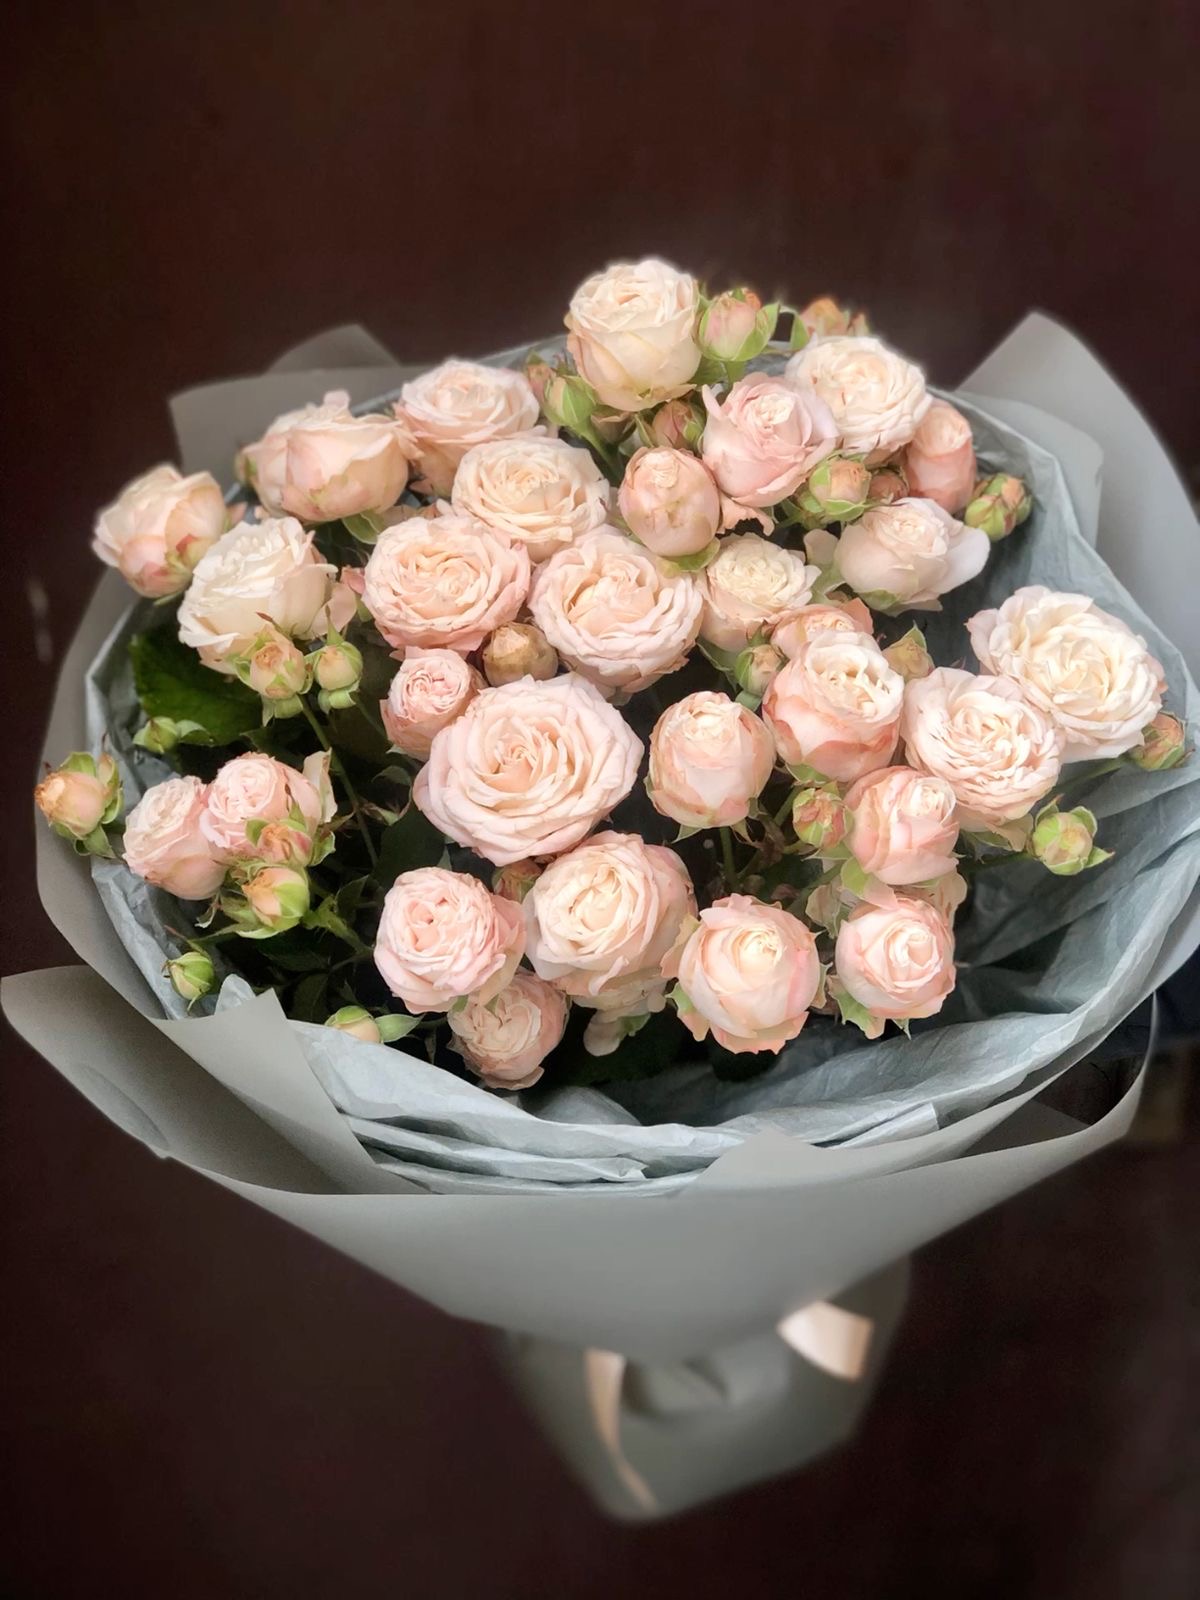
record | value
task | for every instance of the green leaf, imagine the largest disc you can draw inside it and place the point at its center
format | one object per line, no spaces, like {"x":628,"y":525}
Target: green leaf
{"x":411,"y":842}
{"x":172,"y":681}
{"x":365,"y":528}
{"x":308,"y":1000}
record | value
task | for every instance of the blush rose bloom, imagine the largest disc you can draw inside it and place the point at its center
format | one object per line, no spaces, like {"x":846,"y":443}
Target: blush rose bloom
{"x":799,"y":627}
{"x":601,"y":918}
{"x":543,"y":493}
{"x":165,"y":844}
{"x":878,"y":399}
{"x":614,"y":613}
{"x":749,"y":973}
{"x":444,"y":581}
{"x":631,"y":333}
{"x":430,"y":689}
{"x":710,"y":759}
{"x":939,"y":462}
{"x":260,"y":571}
{"x":898,"y":960}
{"x":506,"y":1041}
{"x":256,"y":787}
{"x":159,"y":527}
{"x":904,"y":826}
{"x":763,"y":439}
{"x":835,"y":706}
{"x":443,"y":935}
{"x":670,"y":502}
{"x":528,"y":769}
{"x":458,"y":405}
{"x":323,"y":463}
{"x":752,"y":584}
{"x":911,"y":550}
{"x":997,"y":751}
{"x":1082,"y":666}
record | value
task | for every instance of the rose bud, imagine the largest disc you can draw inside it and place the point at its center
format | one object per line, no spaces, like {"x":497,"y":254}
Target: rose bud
{"x":357,"y":1022}
{"x":514,"y":881}
{"x":160,"y":735}
{"x":909,"y":657}
{"x":837,"y":490}
{"x":819,"y":817}
{"x":568,"y":401}
{"x":81,"y":796}
{"x":278,"y":898}
{"x":736,"y":326}
{"x":274,"y":668}
{"x":756,"y":666}
{"x":678,"y":425}
{"x":539,"y":373}
{"x":1065,"y":841}
{"x":337,"y":670}
{"x":191,"y":975}
{"x":1164,"y":744}
{"x":887,"y":484}
{"x":518,"y":650}
{"x":822,"y":317}
{"x":670,"y":502}
{"x":940,"y":459}
{"x":1000,"y":504}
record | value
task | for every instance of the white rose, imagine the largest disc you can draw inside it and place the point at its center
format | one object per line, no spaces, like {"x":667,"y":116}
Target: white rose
{"x":159,"y":527}
{"x":543,"y":493}
{"x":752,"y":584}
{"x":877,"y":398}
{"x":461,"y":404}
{"x":632,"y":333}
{"x":912,"y":550}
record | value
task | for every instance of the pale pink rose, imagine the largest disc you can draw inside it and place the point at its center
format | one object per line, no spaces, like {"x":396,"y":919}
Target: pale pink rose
{"x":670,"y":502}
{"x":601,"y":918}
{"x":257,"y":788}
{"x":528,"y":769}
{"x":506,"y":1041}
{"x":258,"y":573}
{"x":710,"y":759}
{"x":908,"y":553}
{"x":877,"y":398}
{"x":323,"y":463}
{"x":443,"y":935}
{"x":75,"y":801}
{"x":158,"y":527}
{"x":898,"y":960}
{"x":543,"y":493}
{"x":939,"y":462}
{"x":764,"y":438}
{"x":997,"y":751}
{"x":632,"y":333}
{"x":835,"y":706}
{"x":750,"y":586}
{"x":904,"y":826}
{"x":614,"y":613}
{"x":749,"y":973}
{"x":430,"y":689}
{"x":165,"y":843}
{"x":1089,"y":672}
{"x":799,"y":626}
{"x":444,"y":581}
{"x":459,"y":405}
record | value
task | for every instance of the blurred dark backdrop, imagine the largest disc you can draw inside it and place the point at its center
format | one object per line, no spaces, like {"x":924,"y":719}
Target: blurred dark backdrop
{"x":201,"y":1403}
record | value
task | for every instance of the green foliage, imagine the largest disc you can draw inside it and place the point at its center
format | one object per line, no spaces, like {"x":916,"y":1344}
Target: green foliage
{"x":172,"y":681}
{"x":411,"y":842}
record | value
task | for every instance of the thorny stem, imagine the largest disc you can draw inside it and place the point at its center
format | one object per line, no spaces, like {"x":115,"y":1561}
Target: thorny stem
{"x":335,"y":762}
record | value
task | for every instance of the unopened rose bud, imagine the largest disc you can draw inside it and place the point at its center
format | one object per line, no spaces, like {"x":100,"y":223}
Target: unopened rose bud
{"x":518,"y":650}
{"x":823,"y":317}
{"x":274,"y":667}
{"x":736,"y":326}
{"x":338,"y":666}
{"x":357,"y":1022}
{"x":678,"y":425}
{"x":756,"y":666}
{"x":909,"y":656}
{"x":539,"y":372}
{"x":81,"y":796}
{"x":670,"y":502}
{"x":514,"y":881}
{"x":159,"y":735}
{"x":1164,"y":744}
{"x":1000,"y":504}
{"x":837,"y":490}
{"x":1065,"y":841}
{"x":610,"y":426}
{"x":278,"y":897}
{"x":569,"y":402}
{"x":284,"y":844}
{"x":191,"y":975}
{"x":819,"y":817}
{"x":887,"y":484}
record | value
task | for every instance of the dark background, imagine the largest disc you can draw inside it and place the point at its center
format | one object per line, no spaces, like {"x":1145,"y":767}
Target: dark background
{"x":200,"y":1403}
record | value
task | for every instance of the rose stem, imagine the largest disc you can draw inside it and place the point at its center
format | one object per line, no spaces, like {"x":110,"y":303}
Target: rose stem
{"x":335,"y":762}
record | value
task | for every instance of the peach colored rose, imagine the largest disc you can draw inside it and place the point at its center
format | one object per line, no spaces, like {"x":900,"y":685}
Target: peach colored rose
{"x":710,"y":759}
{"x":81,"y":795}
{"x":763,"y":439}
{"x":443,"y":935}
{"x":158,"y":527}
{"x":908,"y":553}
{"x":749,"y":973}
{"x":444,"y":581}
{"x":670,"y":502}
{"x":835,"y":706}
{"x":798,"y":627}
{"x":904,"y":825}
{"x":752,"y":584}
{"x":430,"y":689}
{"x":632,"y":333}
{"x":1089,"y":672}
{"x":323,"y":463}
{"x":898,"y":960}
{"x":614,"y":613}
{"x":543,"y":493}
{"x":939,"y":462}
{"x":257,"y":788}
{"x":506,"y":1041}
{"x":459,"y":405}
{"x":165,"y":843}
{"x":528,"y":769}
{"x":878,"y":399}
{"x":997,"y":751}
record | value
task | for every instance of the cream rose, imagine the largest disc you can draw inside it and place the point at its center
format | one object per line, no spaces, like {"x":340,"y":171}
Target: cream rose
{"x":506,"y":1041}
{"x":260,"y":572}
{"x":443,"y":935}
{"x":1084,"y":668}
{"x":543,"y":493}
{"x":799,"y":627}
{"x":322,"y":463}
{"x":632,"y":333}
{"x":459,"y":405}
{"x":256,"y":788}
{"x":528,"y":769}
{"x":752,"y":584}
{"x":997,"y":751}
{"x":908,"y":553}
{"x":430,"y":689}
{"x":670,"y":502}
{"x":764,"y":438}
{"x":939,"y":462}
{"x":444,"y":581}
{"x":749,"y":973}
{"x":877,"y":398}
{"x":835,"y":706}
{"x":614,"y":613}
{"x":903,"y":827}
{"x":710,"y":759}
{"x":159,"y":527}
{"x":165,"y":844}
{"x":898,"y":960}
